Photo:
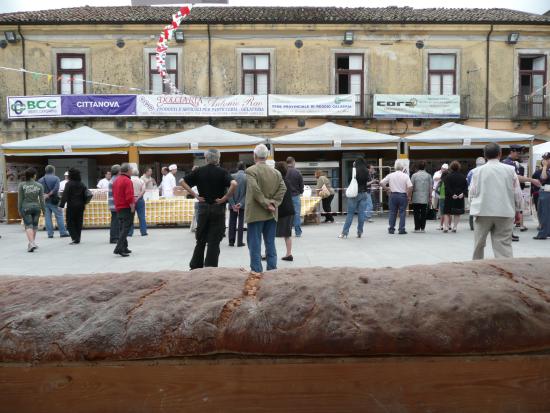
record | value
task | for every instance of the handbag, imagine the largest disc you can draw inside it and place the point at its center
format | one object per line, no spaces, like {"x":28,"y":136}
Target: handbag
{"x":88,"y":195}
{"x":324,"y":192}
{"x":353,"y":189}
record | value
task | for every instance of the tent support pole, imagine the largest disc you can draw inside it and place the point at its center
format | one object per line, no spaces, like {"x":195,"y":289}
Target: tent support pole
{"x":487,"y":58}
{"x":23,"y":62}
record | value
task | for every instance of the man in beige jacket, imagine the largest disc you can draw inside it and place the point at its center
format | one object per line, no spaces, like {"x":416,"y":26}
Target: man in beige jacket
{"x":265,"y":190}
{"x":495,"y":199}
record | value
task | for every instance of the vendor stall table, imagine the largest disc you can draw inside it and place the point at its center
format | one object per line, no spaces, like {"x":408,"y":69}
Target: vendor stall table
{"x":168,"y":211}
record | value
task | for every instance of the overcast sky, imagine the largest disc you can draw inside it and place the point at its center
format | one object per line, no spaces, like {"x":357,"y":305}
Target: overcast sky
{"x":534,"y":6}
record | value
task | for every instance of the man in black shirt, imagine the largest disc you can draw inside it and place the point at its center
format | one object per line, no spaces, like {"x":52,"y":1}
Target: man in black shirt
{"x":212,"y":183}
{"x":296,"y":185}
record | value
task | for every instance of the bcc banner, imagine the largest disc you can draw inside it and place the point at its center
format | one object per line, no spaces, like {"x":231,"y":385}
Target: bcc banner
{"x":20,"y":107}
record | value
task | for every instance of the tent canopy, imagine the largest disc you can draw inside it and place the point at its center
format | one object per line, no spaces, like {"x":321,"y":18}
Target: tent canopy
{"x":332,"y":136}
{"x":541,"y":149}
{"x":454,"y":133}
{"x":199,"y":138}
{"x":80,"y":140}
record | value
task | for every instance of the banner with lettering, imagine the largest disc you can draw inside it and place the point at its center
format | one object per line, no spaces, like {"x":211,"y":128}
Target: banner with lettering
{"x":197,"y":106}
{"x":98,"y":105}
{"x":313,"y":105}
{"x":416,"y":106}
{"x":21,"y":107}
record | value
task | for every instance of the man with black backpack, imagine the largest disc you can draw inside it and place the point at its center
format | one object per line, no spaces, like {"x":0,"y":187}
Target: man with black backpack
{"x":50,"y":182}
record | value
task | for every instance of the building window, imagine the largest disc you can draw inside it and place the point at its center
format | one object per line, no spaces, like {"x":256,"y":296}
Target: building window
{"x":532,"y":78}
{"x":156,"y":85}
{"x":71,"y":74}
{"x":349,"y":78}
{"x":442,"y":74}
{"x":255,"y":74}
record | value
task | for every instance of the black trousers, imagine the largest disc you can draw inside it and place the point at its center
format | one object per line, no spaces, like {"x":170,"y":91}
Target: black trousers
{"x":210,"y":230}
{"x":125,"y":220}
{"x":235,"y":229}
{"x":420,"y":212}
{"x":115,"y":230}
{"x":75,"y":219}
{"x":327,"y":208}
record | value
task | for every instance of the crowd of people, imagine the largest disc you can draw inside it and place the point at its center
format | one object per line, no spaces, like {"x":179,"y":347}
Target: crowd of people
{"x":267,"y":199}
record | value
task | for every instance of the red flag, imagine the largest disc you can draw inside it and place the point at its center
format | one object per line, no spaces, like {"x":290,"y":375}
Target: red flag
{"x":166,"y":35}
{"x":175,"y":25}
{"x":185,"y":10}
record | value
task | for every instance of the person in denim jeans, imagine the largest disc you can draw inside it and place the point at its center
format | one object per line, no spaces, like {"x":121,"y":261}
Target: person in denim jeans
{"x":265,"y":190}
{"x":139,"y":191}
{"x":30,"y":202}
{"x":400,"y":187}
{"x":359,"y":203}
{"x":50,"y":182}
{"x":296,"y":182}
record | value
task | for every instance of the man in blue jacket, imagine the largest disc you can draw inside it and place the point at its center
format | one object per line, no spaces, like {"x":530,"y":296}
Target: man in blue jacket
{"x":236,"y":207}
{"x":50,"y":182}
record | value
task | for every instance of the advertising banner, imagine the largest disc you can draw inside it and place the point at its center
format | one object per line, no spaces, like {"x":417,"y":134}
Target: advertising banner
{"x":186,"y":105}
{"x":98,"y":105}
{"x":324,"y":105}
{"x":416,"y":106}
{"x":20,"y":107}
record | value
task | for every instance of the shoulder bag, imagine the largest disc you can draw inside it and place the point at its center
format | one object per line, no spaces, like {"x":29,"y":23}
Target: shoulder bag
{"x":353,"y":189}
{"x":88,"y":195}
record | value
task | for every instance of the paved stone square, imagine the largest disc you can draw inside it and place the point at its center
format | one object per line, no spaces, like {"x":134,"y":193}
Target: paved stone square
{"x":171,"y":249}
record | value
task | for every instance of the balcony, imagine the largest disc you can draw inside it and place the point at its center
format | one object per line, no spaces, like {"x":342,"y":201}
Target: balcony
{"x":530,"y":107}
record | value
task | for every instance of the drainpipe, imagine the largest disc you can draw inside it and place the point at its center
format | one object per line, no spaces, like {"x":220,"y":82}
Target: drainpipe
{"x":209,"y":66}
{"x":487,"y":79}
{"x":24,"y":75}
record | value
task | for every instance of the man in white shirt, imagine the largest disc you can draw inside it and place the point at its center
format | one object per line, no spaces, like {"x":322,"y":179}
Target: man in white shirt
{"x":139,"y":191}
{"x":495,"y":199}
{"x":64,"y":181}
{"x":104,"y":183}
{"x":169,"y":182}
{"x":399,"y":186}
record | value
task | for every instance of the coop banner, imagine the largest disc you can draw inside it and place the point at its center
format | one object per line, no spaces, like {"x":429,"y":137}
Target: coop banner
{"x":194,"y":106}
{"x":21,"y":107}
{"x":325,"y":105}
{"x":98,"y":105}
{"x":416,"y":106}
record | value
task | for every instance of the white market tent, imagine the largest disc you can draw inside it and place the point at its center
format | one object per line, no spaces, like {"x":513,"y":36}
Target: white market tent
{"x":456,"y":136}
{"x":80,"y":141}
{"x":332,"y":137}
{"x":538,"y":151}
{"x":198,"y":139}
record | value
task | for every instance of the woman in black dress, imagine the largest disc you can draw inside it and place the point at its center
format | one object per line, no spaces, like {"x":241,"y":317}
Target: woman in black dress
{"x":456,"y":191}
{"x":74,"y":196}
{"x":285,"y":215}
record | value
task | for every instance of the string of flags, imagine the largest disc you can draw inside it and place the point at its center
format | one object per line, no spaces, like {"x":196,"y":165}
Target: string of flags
{"x":162,"y":46}
{"x":71,"y":79}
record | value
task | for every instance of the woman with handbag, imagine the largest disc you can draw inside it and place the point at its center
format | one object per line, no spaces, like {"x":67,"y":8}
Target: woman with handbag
{"x":357,"y":197}
{"x":326,"y":192}
{"x":76,"y":195}
{"x":456,"y":190}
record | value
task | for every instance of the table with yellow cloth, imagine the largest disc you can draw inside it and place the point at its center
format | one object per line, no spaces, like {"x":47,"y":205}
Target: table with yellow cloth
{"x":170,"y":211}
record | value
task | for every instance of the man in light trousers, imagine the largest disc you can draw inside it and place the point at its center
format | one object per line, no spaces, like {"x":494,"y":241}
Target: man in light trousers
{"x":495,"y":200}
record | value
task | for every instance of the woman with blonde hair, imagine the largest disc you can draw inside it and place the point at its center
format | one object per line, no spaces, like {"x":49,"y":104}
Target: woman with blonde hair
{"x":326,"y":192}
